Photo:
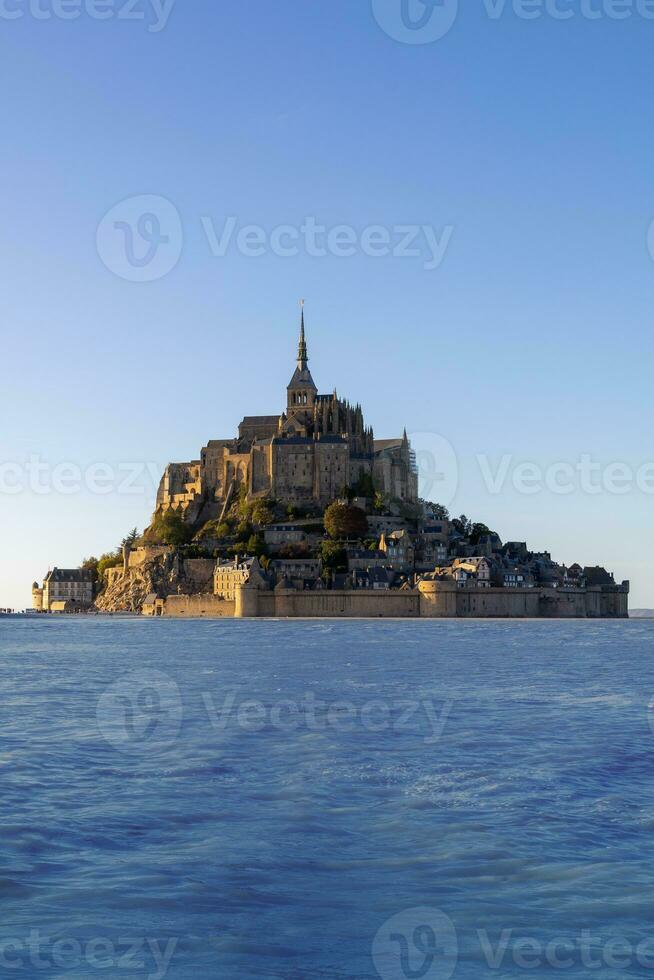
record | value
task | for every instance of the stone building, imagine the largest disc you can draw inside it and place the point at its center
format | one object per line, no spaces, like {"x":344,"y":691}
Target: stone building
{"x":72,"y":587}
{"x":319,"y":446}
{"x":230,"y":574}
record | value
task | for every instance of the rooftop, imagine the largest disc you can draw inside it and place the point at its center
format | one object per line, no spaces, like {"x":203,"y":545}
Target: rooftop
{"x":69,"y":575}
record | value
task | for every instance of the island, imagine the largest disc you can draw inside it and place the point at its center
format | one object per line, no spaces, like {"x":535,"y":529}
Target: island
{"x":307,"y":514}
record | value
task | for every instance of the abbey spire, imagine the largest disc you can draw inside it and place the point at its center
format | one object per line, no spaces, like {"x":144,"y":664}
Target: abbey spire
{"x":301,"y":392}
{"x":302,"y":356}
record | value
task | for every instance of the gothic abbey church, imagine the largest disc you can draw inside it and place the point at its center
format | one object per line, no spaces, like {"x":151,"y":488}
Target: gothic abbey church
{"x":306,"y":456}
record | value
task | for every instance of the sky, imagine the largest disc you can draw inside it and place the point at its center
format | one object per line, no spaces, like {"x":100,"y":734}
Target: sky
{"x":462,"y":194}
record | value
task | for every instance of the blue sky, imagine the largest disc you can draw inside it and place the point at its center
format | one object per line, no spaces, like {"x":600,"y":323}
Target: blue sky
{"x":524,"y":146}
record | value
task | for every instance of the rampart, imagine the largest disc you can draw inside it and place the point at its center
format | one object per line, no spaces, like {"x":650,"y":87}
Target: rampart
{"x":445,"y":599}
{"x":431,"y":600}
{"x":197,"y":607}
{"x":327,"y":604}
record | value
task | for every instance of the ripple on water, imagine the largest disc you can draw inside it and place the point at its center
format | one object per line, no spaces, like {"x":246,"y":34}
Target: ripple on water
{"x":279,"y":852}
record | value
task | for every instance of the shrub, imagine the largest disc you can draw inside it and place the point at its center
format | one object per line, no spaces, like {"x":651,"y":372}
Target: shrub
{"x":244,"y":530}
{"x":213,"y":529}
{"x":262,"y":514}
{"x":111,"y":560}
{"x":256,"y":545}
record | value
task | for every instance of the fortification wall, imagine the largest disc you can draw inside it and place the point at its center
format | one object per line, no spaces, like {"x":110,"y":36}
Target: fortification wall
{"x":568,"y":604}
{"x":114,"y":575}
{"x":198,"y":607}
{"x":327,"y":604}
{"x":444,"y":599}
{"x":434,"y":600}
{"x":438,"y":600}
{"x":615,"y":603}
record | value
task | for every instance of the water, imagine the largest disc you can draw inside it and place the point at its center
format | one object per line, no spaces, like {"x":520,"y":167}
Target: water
{"x":482,"y":790}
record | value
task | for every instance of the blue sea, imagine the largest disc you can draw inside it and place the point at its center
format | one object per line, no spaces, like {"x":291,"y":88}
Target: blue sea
{"x":326,"y":799}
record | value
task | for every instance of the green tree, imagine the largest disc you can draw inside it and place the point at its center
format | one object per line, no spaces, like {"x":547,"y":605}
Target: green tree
{"x":170,"y":528}
{"x":462,"y":525}
{"x":256,"y":545}
{"x":131,"y":538}
{"x":334,"y":556}
{"x":344,"y":521}
{"x":477,"y":532}
{"x":244,"y":530}
{"x":214,"y":530}
{"x":364,"y":486}
{"x":91,"y":565}
{"x":440,"y":513}
{"x":110,"y":560}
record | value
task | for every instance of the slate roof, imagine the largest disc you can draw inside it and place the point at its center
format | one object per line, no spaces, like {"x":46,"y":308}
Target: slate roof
{"x":381,"y":444}
{"x":69,"y":575}
{"x":260,"y":420}
{"x":302,"y":379}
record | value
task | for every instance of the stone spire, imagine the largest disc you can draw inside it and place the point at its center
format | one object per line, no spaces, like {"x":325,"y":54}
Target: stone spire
{"x":302,"y":390}
{"x":302,"y":356}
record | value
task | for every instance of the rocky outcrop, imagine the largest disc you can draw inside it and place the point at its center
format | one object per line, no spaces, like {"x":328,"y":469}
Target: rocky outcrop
{"x":162,"y":576}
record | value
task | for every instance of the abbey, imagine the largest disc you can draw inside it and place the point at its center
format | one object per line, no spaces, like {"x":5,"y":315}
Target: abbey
{"x":317,"y":449}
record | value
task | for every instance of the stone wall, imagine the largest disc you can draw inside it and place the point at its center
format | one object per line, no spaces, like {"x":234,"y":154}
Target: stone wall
{"x":353,"y":604}
{"x":433,"y":600}
{"x":445,"y":599}
{"x":198,"y":573}
{"x":138,"y":556}
{"x":198,"y":607}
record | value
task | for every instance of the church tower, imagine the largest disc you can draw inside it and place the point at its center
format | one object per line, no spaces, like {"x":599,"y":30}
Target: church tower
{"x":301,"y":392}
